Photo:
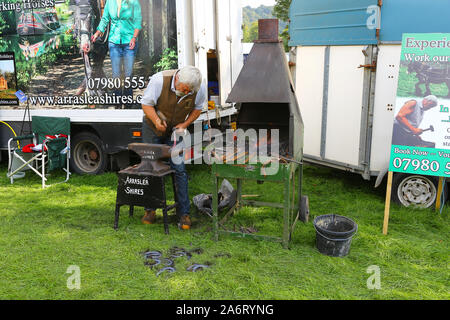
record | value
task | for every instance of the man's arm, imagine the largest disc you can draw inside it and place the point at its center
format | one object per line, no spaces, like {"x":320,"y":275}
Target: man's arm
{"x":192,"y":117}
{"x":150,"y":113}
{"x":150,"y":98}
{"x":406,"y":110}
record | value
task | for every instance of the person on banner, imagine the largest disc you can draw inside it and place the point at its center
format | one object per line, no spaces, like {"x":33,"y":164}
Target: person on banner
{"x":408,"y":120}
{"x":86,"y":19}
{"x":173,"y":100}
{"x":126,"y":22}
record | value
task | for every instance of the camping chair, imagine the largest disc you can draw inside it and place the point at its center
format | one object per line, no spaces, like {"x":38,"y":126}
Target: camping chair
{"x":51,"y":148}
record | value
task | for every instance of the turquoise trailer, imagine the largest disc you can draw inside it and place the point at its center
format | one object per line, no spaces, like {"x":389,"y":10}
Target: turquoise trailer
{"x":347,"y":56}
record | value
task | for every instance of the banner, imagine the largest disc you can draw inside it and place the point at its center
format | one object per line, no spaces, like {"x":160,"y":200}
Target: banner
{"x":421,"y":135}
{"x":58,"y":66}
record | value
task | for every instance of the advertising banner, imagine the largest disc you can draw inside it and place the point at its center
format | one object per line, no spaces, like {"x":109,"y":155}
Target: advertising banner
{"x":421,"y":135}
{"x":47,"y":51}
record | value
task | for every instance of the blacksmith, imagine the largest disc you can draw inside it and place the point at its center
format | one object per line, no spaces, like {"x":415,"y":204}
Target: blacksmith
{"x":173,"y":100}
{"x":408,"y":120}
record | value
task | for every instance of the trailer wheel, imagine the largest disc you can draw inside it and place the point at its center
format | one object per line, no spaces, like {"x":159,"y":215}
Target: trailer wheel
{"x":88,"y":154}
{"x":415,"y":191}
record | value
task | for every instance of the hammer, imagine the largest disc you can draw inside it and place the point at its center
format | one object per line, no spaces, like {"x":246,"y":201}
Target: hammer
{"x":431,"y":128}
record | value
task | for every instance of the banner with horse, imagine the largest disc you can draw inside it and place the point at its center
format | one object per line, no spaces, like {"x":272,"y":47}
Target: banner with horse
{"x":421,"y":136}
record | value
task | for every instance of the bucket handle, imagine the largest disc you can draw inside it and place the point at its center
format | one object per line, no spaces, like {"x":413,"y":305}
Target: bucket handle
{"x":339,"y":240}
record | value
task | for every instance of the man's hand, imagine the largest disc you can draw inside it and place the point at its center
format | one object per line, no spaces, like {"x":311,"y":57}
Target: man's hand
{"x":181,"y":126}
{"x":417,"y":131}
{"x":161,"y":125}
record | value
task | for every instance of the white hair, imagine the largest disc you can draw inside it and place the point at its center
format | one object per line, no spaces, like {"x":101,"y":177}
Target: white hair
{"x":190,"y":76}
{"x":432,"y":99}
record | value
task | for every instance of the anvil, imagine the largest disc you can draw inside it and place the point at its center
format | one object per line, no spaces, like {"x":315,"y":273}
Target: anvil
{"x":152,"y":156}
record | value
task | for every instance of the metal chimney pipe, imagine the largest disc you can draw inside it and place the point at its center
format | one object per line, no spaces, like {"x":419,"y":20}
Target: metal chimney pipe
{"x":268,"y":30}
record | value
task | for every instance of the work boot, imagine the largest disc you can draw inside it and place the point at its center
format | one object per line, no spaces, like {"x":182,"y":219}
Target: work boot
{"x":149,"y":217}
{"x":185,"y":222}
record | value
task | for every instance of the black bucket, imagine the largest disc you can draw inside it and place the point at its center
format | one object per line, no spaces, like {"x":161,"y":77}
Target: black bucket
{"x":334,"y":234}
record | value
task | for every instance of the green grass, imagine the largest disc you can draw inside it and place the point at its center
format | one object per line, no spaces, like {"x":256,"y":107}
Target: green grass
{"x":407,"y":85}
{"x":43,"y":232}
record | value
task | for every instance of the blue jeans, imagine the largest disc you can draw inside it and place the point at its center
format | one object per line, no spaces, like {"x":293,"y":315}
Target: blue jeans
{"x":181,"y":176}
{"x":121,"y":54}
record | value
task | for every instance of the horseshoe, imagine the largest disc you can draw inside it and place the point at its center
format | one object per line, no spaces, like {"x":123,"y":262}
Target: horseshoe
{"x":196,"y":267}
{"x":168,"y":262}
{"x":168,"y":269}
{"x":152,"y":254}
{"x":151,"y":265}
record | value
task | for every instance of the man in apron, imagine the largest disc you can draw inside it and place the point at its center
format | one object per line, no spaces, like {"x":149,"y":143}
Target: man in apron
{"x":173,"y":100}
{"x":408,"y":120}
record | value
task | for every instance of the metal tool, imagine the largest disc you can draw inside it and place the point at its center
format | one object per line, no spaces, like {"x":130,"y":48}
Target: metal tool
{"x":168,"y":262}
{"x":152,"y":156}
{"x":167,"y":269}
{"x":157,"y":262}
{"x":431,"y":128}
{"x":152,"y":254}
{"x":196,"y":267}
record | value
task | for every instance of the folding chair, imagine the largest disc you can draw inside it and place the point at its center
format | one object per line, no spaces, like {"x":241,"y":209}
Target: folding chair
{"x":50,"y":148}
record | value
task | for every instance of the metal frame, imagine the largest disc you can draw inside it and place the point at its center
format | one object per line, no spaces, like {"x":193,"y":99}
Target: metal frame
{"x":39,"y":157}
{"x":240,"y":173}
{"x":326,"y":80}
{"x":368,"y":104}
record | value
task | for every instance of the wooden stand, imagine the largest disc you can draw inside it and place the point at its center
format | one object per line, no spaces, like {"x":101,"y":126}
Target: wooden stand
{"x":439,"y":203}
{"x":387,"y":206}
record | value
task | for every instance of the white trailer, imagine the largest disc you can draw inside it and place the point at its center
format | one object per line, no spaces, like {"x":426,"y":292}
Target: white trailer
{"x":347,"y":57}
{"x":208,"y":36}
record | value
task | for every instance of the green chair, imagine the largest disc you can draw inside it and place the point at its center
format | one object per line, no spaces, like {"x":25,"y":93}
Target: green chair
{"x":55,"y":153}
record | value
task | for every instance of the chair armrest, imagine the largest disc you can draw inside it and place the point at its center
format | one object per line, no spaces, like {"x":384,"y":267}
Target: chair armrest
{"x":50,"y":141}
{"x":31,"y":136}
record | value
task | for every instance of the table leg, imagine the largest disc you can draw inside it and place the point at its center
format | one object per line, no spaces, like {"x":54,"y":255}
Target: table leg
{"x":165,"y":218}
{"x":116,"y":218}
{"x":215,"y":208}
{"x":300,"y":192}
{"x":166,"y":221}
{"x":131,"y":211}
{"x":239,"y":194}
{"x":287,"y":208}
{"x":174,"y":186}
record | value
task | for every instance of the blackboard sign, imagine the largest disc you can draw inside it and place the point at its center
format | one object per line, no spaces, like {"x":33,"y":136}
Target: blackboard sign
{"x":141,"y":190}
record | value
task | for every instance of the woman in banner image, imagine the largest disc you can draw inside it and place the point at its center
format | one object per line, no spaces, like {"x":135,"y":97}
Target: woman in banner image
{"x":126,"y":22}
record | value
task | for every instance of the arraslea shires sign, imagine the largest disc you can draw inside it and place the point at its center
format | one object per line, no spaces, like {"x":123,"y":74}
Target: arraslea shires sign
{"x":421,"y":135}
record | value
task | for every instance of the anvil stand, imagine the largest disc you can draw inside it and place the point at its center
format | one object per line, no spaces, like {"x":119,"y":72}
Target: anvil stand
{"x":143,"y":185}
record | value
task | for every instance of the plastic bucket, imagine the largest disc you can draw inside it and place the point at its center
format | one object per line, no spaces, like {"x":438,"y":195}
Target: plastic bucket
{"x":334,"y":234}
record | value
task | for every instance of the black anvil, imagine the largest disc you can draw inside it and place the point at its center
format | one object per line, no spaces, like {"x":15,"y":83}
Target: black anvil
{"x":143,"y":185}
{"x":152,"y":156}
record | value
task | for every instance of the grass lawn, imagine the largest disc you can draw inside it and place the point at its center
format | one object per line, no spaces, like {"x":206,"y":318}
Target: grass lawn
{"x":43,"y":232}
{"x":407,"y":85}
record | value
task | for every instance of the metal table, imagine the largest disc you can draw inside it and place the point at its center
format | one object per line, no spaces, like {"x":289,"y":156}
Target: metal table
{"x":286,"y":175}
